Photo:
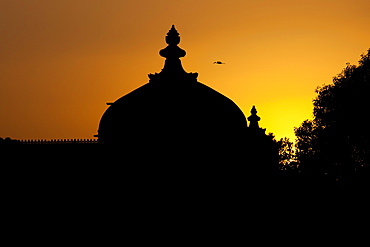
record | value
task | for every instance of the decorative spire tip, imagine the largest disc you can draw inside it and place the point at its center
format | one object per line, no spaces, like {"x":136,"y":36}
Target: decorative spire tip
{"x":173,"y":37}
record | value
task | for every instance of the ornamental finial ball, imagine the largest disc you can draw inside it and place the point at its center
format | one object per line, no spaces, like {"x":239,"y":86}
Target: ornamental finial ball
{"x":173,"y":37}
{"x":172,"y":50}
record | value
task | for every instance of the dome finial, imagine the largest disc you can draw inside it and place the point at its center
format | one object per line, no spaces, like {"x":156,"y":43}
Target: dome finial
{"x":253,"y":118}
{"x":172,"y":50}
{"x":172,"y":66}
{"x":254,"y":110}
{"x":173,"y":37}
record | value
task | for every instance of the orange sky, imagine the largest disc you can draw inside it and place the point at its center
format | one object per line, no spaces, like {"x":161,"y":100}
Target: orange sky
{"x":61,"y":61}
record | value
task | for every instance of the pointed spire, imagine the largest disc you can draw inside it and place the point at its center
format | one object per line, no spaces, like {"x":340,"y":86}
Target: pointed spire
{"x":254,"y":110}
{"x":253,"y":118}
{"x":173,"y":37}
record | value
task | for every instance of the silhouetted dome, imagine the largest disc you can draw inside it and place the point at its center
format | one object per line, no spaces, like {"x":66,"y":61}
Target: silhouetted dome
{"x":172,"y":108}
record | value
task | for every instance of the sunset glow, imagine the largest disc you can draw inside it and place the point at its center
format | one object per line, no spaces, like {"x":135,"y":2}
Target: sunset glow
{"x":61,"y":61}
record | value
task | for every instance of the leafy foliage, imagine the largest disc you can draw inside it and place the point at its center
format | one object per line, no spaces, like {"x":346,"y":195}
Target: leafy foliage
{"x":337,"y":141}
{"x":286,"y":154}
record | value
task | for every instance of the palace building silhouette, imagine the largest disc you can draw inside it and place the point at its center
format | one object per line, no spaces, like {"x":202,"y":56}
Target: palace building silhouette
{"x":173,"y":108}
{"x":175,"y":111}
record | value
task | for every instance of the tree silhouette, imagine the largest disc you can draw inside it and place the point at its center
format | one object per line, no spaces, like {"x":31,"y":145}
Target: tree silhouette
{"x":287,"y":158}
{"x":336,"y":143}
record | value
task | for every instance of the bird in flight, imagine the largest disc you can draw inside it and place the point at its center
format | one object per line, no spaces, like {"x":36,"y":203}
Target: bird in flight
{"x":218,"y":62}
